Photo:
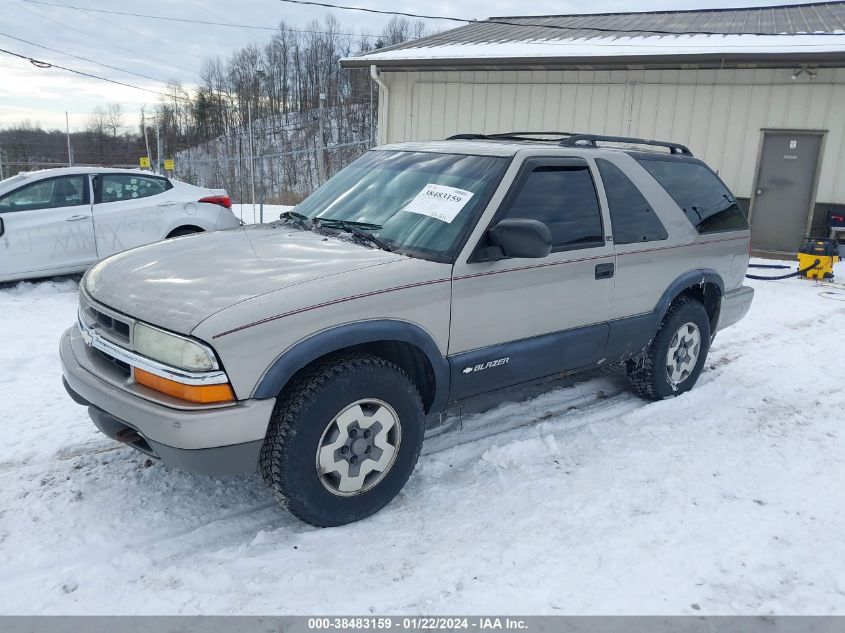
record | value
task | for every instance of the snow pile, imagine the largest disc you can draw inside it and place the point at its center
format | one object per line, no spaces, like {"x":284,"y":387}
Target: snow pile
{"x":582,"y":499}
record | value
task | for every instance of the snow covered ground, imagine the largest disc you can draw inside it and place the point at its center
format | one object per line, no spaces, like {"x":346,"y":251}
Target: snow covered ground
{"x":584,"y":499}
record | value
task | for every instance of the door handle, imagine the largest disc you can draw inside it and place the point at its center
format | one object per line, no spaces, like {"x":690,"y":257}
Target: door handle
{"x":604,"y":271}
{"x":76,"y":218}
{"x":168,"y":204}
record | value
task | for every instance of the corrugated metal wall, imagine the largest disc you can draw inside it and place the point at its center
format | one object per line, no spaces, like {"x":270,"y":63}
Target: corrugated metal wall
{"x":718,"y":113}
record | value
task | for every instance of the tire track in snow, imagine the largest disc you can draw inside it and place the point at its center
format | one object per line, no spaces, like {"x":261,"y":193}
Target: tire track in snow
{"x":574,"y":411}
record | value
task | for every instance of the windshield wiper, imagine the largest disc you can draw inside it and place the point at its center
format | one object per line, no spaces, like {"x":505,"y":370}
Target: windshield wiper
{"x":360,"y":229}
{"x":367,"y":226}
{"x":302,"y":220}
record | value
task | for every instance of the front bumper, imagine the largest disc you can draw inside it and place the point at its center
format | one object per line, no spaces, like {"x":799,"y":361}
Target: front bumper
{"x":735,"y":305}
{"x":216,"y":440}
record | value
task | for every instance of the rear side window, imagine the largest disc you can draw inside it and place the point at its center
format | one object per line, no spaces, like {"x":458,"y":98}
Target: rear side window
{"x":706,"y":202}
{"x":564,"y":199}
{"x":118,"y":187}
{"x":631,"y":215}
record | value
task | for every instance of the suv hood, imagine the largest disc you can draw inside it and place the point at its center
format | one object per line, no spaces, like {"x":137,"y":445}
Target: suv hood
{"x":178,"y":283}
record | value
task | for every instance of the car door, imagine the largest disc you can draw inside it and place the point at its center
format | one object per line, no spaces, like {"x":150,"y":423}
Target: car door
{"x":47,"y":227}
{"x":130,"y":210}
{"x":519,"y":319}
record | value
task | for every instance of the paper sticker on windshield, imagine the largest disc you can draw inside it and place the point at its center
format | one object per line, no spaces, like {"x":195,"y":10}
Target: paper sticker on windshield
{"x":439,"y":202}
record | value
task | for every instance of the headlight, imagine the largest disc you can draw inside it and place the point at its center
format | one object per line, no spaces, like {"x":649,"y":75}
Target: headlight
{"x":173,"y":350}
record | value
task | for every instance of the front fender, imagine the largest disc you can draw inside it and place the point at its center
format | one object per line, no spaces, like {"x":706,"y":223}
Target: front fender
{"x":304,"y":352}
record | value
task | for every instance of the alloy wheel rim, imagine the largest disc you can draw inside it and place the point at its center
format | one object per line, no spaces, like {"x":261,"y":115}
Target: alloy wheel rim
{"x":683,"y":354}
{"x":358,"y":447}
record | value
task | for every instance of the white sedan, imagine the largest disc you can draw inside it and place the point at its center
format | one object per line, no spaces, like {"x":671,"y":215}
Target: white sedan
{"x":61,"y":221}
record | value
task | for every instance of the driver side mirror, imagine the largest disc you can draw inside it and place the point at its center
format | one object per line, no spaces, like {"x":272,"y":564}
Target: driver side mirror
{"x":521,"y":237}
{"x":2,"y":227}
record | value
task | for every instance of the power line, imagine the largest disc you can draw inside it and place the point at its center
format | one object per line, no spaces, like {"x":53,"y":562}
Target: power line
{"x":42,"y":64}
{"x":101,"y":39}
{"x":327,"y":5}
{"x":93,"y":61}
{"x":192,"y":21}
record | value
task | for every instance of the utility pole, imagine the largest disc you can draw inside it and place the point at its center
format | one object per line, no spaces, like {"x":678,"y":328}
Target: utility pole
{"x":146,"y":139}
{"x":251,"y":157}
{"x":321,"y":154}
{"x":69,"y":152}
{"x":263,"y":194}
{"x":158,"y":147}
{"x":2,"y":173}
{"x":372,"y":126}
{"x":259,"y":75}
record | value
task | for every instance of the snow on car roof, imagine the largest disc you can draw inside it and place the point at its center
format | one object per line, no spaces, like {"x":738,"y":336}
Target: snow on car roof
{"x":35,"y":174}
{"x":80,"y":169}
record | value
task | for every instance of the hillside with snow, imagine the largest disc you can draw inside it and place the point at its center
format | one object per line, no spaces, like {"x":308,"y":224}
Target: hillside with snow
{"x":291,"y":157}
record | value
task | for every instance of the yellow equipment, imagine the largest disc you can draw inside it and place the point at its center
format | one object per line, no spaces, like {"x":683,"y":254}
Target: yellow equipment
{"x":825,"y":251}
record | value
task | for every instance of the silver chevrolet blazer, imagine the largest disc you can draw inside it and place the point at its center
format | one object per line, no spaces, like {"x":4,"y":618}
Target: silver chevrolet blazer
{"x":316,"y":348}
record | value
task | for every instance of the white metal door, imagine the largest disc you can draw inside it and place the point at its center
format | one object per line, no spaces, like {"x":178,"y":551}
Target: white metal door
{"x":784,"y":195}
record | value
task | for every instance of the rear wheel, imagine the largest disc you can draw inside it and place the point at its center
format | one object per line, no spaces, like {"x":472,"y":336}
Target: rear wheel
{"x":344,"y":438}
{"x":676,"y":356}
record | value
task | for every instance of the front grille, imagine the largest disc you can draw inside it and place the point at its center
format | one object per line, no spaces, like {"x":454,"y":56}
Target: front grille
{"x":124,"y":368}
{"x":109,"y":325}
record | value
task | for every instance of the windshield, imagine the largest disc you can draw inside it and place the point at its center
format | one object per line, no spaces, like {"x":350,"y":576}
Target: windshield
{"x":423,"y":202}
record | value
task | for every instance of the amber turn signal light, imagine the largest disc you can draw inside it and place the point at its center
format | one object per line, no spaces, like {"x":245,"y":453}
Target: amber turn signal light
{"x":202,"y":394}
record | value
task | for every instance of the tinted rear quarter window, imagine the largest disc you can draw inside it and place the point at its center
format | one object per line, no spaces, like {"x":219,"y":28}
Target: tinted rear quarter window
{"x":705,"y":201}
{"x":631,"y":215}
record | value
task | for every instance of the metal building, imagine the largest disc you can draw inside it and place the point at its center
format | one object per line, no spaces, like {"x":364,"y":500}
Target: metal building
{"x":758,"y":93}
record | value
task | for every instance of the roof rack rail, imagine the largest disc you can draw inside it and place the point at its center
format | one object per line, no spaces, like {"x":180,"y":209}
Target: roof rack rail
{"x":590,"y":140}
{"x":510,"y":136}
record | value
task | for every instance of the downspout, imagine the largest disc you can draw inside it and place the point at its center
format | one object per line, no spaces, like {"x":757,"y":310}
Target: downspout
{"x":375,"y":75}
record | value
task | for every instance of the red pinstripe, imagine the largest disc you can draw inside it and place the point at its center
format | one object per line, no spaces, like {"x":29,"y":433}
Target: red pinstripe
{"x":460,"y":278}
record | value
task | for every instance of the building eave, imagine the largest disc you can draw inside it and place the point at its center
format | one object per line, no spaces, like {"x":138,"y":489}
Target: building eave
{"x":607,"y":62}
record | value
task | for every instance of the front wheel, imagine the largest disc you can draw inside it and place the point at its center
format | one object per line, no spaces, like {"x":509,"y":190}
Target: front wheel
{"x":676,"y":356}
{"x":344,"y":438}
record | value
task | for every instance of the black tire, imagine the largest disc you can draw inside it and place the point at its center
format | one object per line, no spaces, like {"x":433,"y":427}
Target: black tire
{"x":302,"y":414}
{"x":648,"y":376}
{"x":185,"y":230}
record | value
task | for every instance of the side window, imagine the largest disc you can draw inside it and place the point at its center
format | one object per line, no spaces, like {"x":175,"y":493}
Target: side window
{"x":67,"y":191}
{"x":706,"y":202}
{"x":631,"y":215}
{"x":118,"y":187}
{"x":564,"y":199}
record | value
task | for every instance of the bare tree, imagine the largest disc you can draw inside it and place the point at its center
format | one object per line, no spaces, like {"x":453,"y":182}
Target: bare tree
{"x":281,"y":81}
{"x":113,"y":119}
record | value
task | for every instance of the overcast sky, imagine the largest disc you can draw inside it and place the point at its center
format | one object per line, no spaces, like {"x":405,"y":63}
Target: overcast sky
{"x":170,"y":50}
